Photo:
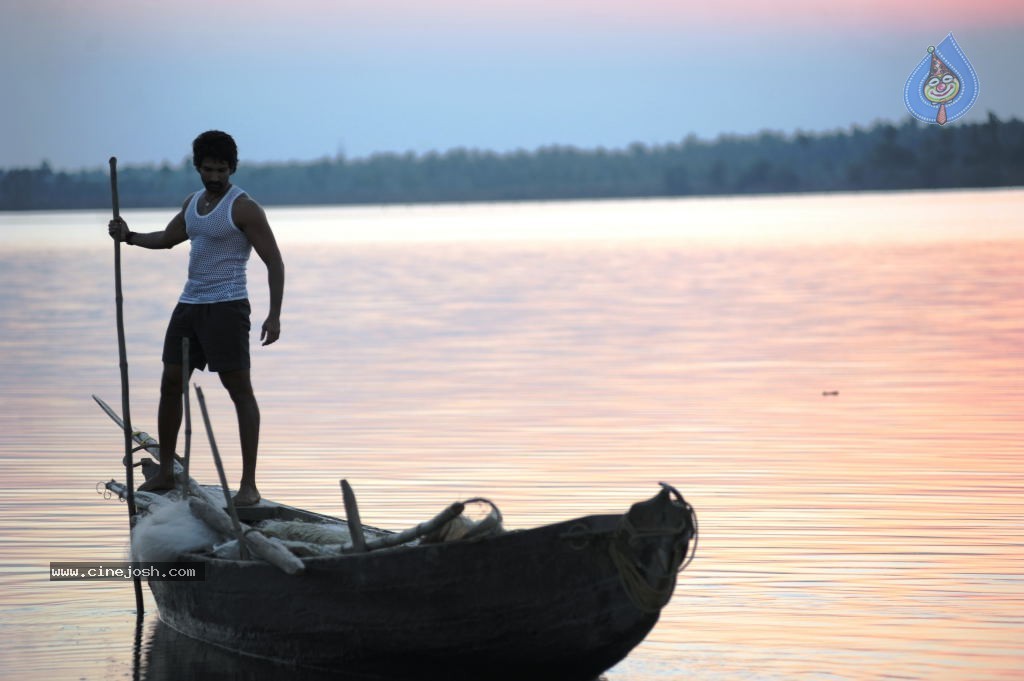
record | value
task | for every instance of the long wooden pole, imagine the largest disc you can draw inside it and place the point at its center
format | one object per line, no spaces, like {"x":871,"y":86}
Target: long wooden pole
{"x":123,"y":361}
{"x":188,"y":414}
{"x":243,"y":552}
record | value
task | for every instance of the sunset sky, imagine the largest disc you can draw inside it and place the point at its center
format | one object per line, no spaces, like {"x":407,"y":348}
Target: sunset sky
{"x":308,"y":79}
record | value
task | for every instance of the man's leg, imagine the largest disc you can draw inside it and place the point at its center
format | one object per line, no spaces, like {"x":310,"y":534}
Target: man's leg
{"x":239,"y":386}
{"x":168,"y":420}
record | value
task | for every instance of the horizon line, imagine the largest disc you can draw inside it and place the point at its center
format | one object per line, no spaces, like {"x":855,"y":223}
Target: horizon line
{"x":691,"y":136}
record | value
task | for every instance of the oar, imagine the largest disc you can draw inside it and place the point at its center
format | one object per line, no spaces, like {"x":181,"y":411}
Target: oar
{"x":123,"y":359}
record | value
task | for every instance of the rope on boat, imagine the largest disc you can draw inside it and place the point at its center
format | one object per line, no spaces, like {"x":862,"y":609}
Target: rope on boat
{"x":492,"y":523}
{"x":695,"y":536}
{"x":691,"y":515}
{"x":636,"y":577}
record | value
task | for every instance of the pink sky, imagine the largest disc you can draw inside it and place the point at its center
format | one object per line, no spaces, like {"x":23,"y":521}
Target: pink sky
{"x":305,"y":78}
{"x":561,"y":14}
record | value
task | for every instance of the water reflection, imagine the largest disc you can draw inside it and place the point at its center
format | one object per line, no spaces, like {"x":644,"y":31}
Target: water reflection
{"x":170,"y":656}
{"x":852,"y":536}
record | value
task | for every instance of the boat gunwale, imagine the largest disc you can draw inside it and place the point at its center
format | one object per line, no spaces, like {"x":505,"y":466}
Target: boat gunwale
{"x":605,"y":521}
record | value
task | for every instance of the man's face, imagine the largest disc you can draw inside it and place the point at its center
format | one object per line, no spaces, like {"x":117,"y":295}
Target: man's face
{"x":214,"y":175}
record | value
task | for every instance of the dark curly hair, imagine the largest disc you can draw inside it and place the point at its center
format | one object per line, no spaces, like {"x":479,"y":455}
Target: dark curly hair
{"x":214,"y":144}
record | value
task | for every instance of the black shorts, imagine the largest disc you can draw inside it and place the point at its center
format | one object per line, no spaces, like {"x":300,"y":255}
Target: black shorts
{"x":218,"y":334}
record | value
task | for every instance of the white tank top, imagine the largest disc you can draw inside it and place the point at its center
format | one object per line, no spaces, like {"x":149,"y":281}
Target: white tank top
{"x":219,"y":253}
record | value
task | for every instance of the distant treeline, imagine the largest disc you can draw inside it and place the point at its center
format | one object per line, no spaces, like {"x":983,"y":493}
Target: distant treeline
{"x":882,"y":157}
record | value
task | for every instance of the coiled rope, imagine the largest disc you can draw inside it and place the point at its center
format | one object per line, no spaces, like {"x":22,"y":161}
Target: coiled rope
{"x":646,"y":596}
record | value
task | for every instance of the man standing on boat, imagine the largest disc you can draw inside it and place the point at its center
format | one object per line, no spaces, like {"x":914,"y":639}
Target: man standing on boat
{"x":224,"y":225}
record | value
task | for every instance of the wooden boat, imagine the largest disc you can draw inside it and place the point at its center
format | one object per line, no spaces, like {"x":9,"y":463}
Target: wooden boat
{"x":562,"y":602}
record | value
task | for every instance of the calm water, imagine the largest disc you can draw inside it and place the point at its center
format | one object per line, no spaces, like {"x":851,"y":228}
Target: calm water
{"x":561,"y":359}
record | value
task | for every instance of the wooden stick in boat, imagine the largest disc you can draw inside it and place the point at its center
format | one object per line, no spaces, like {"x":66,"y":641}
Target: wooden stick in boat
{"x":424,"y":528}
{"x":122,"y":355}
{"x":144,"y":440}
{"x":223,"y":478}
{"x":147,"y":442}
{"x":268,"y":549}
{"x":188,"y":414}
{"x":355,"y":525}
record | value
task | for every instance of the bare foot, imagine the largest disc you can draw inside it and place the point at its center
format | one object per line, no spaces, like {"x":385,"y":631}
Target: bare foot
{"x":247,"y":496}
{"x":158,"y":482}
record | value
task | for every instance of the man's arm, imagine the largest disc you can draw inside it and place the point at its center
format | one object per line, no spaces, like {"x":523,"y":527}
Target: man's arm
{"x":250,"y":218}
{"x":172,"y":235}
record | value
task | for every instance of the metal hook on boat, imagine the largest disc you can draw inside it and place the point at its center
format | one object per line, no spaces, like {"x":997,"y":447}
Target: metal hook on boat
{"x":101,"y":489}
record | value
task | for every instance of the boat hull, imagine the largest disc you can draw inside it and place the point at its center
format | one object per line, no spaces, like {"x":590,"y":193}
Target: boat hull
{"x":562,"y":602}
{"x":539,"y":604}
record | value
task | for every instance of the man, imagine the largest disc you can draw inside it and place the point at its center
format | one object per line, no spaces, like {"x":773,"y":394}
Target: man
{"x":224,"y":225}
